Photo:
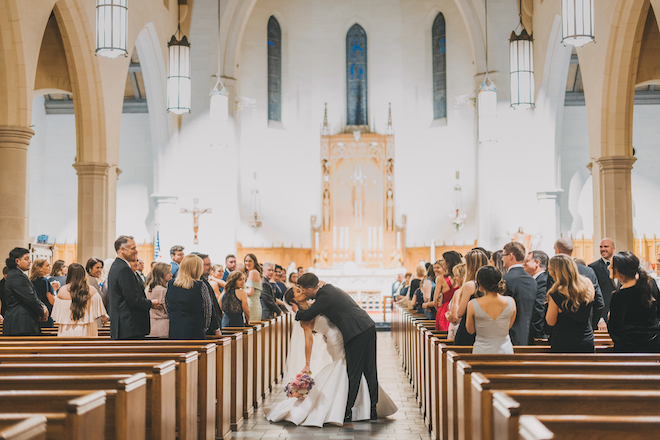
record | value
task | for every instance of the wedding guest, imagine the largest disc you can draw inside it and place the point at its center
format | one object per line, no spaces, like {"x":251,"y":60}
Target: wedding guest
{"x":24,"y":310}
{"x":217,"y":273}
{"x":77,"y":307}
{"x":496,"y":260}
{"x":474,"y":260}
{"x":293,"y":279}
{"x":491,"y":316}
{"x":601,"y":268}
{"x":188,"y":301}
{"x":397,"y":285}
{"x":280,"y":277}
{"x":3,"y":300}
{"x":107,"y":264}
{"x":300,"y":271}
{"x":633,"y":323}
{"x":140,"y":271}
{"x":253,"y":286}
{"x":428,"y":292}
{"x":128,"y":303}
{"x":176,"y":253}
{"x":570,"y":304}
{"x":522,"y":287}
{"x":444,"y":288}
{"x":216,"y":312}
{"x":269,"y":306}
{"x":416,"y":296}
{"x":565,"y":246}
{"x":235,"y":302}
{"x":45,"y":291}
{"x":536,"y":265}
{"x":230,"y":266}
{"x":58,"y":273}
{"x":457,"y":279}
{"x":94,"y":268}
{"x":160,"y":275}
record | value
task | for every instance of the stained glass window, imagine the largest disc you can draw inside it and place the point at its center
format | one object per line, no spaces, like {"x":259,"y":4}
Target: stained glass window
{"x":274,"y":70}
{"x":439,"y":68}
{"x":356,"y":76}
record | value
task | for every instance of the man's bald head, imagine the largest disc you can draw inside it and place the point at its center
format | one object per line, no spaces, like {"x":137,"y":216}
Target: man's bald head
{"x":564,"y":246}
{"x":607,"y":248}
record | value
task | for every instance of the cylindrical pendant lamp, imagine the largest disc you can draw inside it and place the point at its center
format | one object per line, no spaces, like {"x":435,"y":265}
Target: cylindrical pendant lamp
{"x":577,"y":17}
{"x":178,"y":77}
{"x":111,"y":28}
{"x":521,"y":60}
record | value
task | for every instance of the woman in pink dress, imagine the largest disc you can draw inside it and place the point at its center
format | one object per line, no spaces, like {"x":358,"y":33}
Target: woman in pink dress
{"x":444,"y":288}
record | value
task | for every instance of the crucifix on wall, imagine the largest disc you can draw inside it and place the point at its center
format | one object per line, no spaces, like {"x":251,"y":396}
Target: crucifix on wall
{"x":196,"y":212}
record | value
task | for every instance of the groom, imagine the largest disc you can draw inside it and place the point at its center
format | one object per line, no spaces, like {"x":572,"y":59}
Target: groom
{"x":357,"y":329}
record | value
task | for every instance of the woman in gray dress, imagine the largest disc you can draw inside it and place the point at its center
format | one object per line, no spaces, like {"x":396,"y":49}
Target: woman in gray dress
{"x":492,"y":315}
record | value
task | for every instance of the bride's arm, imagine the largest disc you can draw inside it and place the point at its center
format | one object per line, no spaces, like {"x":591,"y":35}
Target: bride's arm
{"x":308,"y":326}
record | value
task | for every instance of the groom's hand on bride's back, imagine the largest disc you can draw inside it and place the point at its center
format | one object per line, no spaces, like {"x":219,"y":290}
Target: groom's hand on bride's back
{"x":294,"y":307}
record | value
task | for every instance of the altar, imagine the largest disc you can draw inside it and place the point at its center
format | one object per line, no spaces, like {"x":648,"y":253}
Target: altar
{"x":358,"y":236}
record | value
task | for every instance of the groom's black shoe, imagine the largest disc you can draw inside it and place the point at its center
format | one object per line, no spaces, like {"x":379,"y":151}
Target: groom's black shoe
{"x":374,"y":414}
{"x":348,"y":419}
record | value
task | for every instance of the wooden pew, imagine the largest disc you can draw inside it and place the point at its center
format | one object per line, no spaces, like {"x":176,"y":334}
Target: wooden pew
{"x":126,"y":398}
{"x":247,"y":373}
{"x":186,"y":383}
{"x":161,"y":389}
{"x":70,"y":415}
{"x":30,"y":428}
{"x":508,"y":406}
{"x":206,"y":387}
{"x":467,"y":411}
{"x":583,"y":427}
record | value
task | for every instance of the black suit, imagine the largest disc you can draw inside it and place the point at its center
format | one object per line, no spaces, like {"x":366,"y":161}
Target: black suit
{"x":23,"y":308}
{"x":538,"y":316}
{"x":269,"y":308}
{"x":3,"y":297}
{"x":216,"y":311}
{"x":522,"y":288}
{"x":599,"y":304}
{"x":359,"y":333}
{"x":128,"y":303}
{"x":606,"y":284}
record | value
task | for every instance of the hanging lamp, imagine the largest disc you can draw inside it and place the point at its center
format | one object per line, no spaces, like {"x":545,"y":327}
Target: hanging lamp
{"x":577,"y":18}
{"x":487,"y":99}
{"x":111,"y":28}
{"x":521,"y":62}
{"x":178,"y":77}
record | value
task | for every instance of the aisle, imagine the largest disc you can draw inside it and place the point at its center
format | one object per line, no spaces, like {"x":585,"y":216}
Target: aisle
{"x":406,"y":424}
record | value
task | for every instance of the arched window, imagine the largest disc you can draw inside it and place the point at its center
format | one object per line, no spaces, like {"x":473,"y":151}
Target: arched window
{"x":356,"y":76}
{"x":274,"y":70}
{"x":439,"y":68}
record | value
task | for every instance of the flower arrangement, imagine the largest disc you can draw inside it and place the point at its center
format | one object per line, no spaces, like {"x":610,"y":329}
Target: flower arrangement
{"x":300,"y":386}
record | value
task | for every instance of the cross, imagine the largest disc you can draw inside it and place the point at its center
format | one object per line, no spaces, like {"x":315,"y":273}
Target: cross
{"x":196,"y":212}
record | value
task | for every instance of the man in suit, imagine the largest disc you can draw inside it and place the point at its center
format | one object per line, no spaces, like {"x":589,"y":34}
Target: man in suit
{"x":357,"y":329}
{"x":522,"y":287}
{"x":279,"y":287}
{"x":140,"y":271}
{"x":565,"y":246}
{"x":216,"y":312}
{"x":130,"y":306}
{"x":396,"y":286}
{"x":269,"y":307}
{"x":607,"y":285}
{"x":230,"y":266}
{"x":3,"y":301}
{"x":24,"y":310}
{"x":536,"y":265}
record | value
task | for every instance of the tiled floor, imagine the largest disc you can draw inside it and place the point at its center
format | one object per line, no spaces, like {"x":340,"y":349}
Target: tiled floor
{"x":406,"y":424}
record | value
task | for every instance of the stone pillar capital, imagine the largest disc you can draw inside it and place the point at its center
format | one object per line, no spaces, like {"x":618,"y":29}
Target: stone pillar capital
{"x":13,"y":136}
{"x":616,"y":163}
{"x":100,"y":169}
{"x":164,"y":199}
{"x":549,"y":195}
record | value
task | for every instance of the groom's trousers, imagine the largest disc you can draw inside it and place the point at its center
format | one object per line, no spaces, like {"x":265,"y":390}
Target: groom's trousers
{"x":361,"y":359}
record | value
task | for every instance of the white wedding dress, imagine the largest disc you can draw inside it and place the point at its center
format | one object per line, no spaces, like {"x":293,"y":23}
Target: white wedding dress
{"x":326,"y":402}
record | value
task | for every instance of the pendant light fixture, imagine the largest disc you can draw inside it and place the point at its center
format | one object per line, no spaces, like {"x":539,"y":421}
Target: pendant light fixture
{"x":577,"y":18}
{"x":111,"y":28}
{"x":521,"y":62}
{"x":487,"y":99}
{"x":178,"y":77}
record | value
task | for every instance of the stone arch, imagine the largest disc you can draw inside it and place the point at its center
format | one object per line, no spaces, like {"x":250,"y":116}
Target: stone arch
{"x":78,"y":38}
{"x":15,"y":92}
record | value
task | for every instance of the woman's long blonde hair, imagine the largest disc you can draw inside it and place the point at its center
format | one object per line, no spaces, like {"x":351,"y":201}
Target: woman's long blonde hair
{"x":190,"y":270}
{"x":474,"y":260}
{"x":35,"y":272}
{"x":566,"y":275}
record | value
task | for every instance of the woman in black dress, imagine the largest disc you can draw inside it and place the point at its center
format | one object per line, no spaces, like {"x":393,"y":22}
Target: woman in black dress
{"x":188,"y":301}
{"x":633,"y":322}
{"x":45,"y":292}
{"x":570,"y":303}
{"x":234,"y":301}
{"x":24,"y":310}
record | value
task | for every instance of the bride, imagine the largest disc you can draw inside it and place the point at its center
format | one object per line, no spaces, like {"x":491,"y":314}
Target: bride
{"x":319,"y":347}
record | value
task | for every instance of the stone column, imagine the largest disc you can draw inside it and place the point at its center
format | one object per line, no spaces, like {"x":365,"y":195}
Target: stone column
{"x":615,"y":197}
{"x":14,"y":142}
{"x":92,"y":210}
{"x":549,"y":219}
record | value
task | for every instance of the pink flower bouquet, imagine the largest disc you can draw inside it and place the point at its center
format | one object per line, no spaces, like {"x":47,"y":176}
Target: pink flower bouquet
{"x":299,"y":386}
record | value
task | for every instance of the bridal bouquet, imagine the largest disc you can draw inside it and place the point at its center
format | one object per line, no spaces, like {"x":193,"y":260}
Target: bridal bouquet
{"x":300,"y":386}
